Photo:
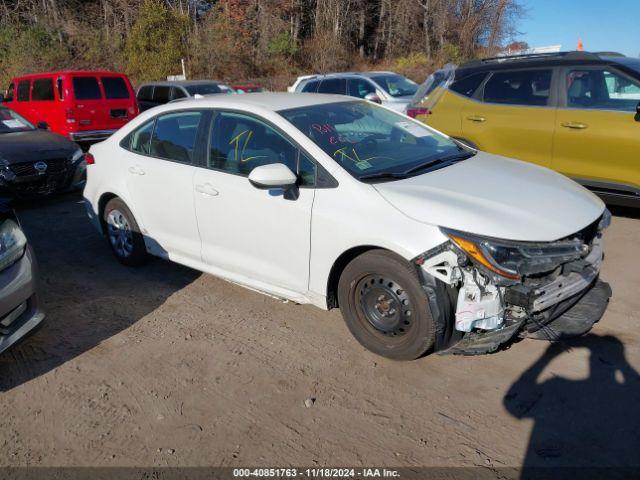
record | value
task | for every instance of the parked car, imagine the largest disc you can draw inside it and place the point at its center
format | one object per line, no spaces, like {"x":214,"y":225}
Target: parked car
{"x":339,"y":202}
{"x":247,"y":88}
{"x":36,"y":162}
{"x":20,"y":309}
{"x":386,"y":88}
{"x":85,"y":106}
{"x":153,"y":94}
{"x":575,"y":112}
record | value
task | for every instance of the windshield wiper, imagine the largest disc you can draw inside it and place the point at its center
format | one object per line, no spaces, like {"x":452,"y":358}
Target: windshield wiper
{"x":382,"y":176}
{"x":437,"y":161}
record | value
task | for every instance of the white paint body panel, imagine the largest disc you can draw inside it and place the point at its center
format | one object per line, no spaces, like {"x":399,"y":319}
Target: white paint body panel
{"x":287,"y":248}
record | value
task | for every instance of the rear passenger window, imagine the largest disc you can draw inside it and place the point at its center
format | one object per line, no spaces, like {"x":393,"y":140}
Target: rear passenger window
{"x":42,"y":89}
{"x":310,"y":87}
{"x":467,"y":86}
{"x":333,"y":85}
{"x":524,"y":87}
{"x":23,"y":90}
{"x":86,"y":88}
{"x":141,"y":138}
{"x":161,"y":94}
{"x":115,"y":88}
{"x":174,"y":137}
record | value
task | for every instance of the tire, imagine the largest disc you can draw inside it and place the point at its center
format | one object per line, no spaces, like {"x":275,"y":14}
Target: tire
{"x":123,"y":234}
{"x":385,"y":307}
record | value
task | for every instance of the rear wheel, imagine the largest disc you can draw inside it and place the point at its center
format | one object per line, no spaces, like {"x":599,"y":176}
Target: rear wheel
{"x":123,"y":234}
{"x":385,"y":307}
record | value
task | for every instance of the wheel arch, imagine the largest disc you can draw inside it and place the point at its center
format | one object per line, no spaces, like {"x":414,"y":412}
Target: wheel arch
{"x":338,"y":267}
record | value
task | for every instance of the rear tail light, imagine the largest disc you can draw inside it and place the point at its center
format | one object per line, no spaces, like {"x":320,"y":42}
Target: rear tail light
{"x":70,"y":115}
{"x":90,"y":159}
{"x":132,"y":111}
{"x":416,"y":112}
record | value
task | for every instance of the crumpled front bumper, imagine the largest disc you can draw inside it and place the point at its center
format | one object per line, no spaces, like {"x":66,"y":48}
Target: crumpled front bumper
{"x":576,"y":318}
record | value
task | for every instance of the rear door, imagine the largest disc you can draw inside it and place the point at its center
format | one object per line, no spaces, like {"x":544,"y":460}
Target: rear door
{"x":515,"y":115}
{"x":160,"y":182}
{"x":597,"y":137}
{"x":119,"y":100}
{"x":87,"y":103}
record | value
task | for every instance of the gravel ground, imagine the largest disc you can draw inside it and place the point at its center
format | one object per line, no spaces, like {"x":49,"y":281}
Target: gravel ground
{"x":166,"y":366}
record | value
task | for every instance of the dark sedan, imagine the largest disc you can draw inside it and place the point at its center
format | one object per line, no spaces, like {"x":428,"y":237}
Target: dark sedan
{"x":20,"y":310}
{"x":35,"y":162}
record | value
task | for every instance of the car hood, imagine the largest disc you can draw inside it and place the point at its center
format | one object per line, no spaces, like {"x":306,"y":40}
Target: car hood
{"x":496,"y":197}
{"x":34,"y":145}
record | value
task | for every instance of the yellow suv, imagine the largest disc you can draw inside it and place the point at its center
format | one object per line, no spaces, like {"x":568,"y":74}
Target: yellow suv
{"x":575,"y":112}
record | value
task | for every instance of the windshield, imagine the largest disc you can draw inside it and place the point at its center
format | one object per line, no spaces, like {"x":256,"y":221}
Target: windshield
{"x":10,"y":122}
{"x":372,"y":142}
{"x":203,"y":89}
{"x":396,"y":85}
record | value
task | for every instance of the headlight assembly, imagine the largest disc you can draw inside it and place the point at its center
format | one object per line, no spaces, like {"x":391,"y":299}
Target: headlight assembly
{"x":513,"y":260}
{"x":12,"y":243}
{"x":77,"y":155}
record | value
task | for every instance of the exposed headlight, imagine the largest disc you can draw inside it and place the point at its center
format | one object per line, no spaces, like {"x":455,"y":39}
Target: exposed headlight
{"x":77,"y":155}
{"x":513,"y":260}
{"x":12,"y":243}
{"x":605,"y":220}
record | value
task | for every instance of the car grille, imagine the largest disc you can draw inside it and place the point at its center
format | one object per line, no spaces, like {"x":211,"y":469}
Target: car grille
{"x":29,"y":181}
{"x":55,"y":165}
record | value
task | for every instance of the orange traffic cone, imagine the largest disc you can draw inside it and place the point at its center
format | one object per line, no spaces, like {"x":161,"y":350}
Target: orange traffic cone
{"x":580,"y":46}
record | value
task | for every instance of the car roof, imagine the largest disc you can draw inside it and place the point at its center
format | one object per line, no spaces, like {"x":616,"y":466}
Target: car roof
{"x":368,"y":74}
{"x":273,"y":101}
{"x":181,"y":83}
{"x":72,"y":72}
{"x":538,"y":60}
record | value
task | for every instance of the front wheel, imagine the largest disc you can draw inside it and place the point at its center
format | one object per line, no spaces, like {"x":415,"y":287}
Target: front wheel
{"x":123,"y":234}
{"x":385,"y":307}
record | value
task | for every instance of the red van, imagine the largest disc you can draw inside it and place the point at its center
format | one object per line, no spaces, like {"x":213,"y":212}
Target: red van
{"x":84,"y":106}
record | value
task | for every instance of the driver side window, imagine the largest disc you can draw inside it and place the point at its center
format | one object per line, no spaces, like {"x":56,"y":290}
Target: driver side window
{"x":239,"y":143}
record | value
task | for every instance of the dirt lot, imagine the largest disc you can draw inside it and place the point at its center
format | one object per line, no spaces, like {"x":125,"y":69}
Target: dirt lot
{"x":167,"y":366}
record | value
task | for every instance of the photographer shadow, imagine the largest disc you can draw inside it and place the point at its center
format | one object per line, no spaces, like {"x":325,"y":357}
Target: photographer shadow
{"x":592,"y":422}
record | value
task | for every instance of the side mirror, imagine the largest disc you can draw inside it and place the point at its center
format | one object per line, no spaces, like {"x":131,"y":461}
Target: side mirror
{"x":276,"y":175}
{"x":43,"y":125}
{"x":372,"y":97}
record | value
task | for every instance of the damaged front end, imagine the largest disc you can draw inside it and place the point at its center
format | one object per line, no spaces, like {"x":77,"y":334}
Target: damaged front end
{"x":508,"y":289}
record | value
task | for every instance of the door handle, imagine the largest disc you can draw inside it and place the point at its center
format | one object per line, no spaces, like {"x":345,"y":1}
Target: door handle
{"x":476,"y":118}
{"x":207,"y":189}
{"x":136,"y":170}
{"x":574,"y":125}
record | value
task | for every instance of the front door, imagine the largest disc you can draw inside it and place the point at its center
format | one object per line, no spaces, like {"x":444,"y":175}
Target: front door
{"x":160,"y":182}
{"x":597,"y":135}
{"x":515,"y":117}
{"x":256,"y":237}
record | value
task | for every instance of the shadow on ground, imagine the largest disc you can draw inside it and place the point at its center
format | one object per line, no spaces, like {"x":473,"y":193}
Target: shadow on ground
{"x":590,"y":422}
{"x":88,"y":296}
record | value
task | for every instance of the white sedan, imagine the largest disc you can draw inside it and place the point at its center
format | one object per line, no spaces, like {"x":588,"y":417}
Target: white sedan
{"x":424,"y":244}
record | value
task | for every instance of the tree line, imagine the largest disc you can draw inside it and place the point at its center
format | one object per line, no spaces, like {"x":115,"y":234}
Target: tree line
{"x":248,"y":39}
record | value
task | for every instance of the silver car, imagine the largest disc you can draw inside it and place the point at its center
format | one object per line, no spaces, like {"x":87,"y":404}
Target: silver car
{"x":20,"y":310}
{"x":386,"y":88}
